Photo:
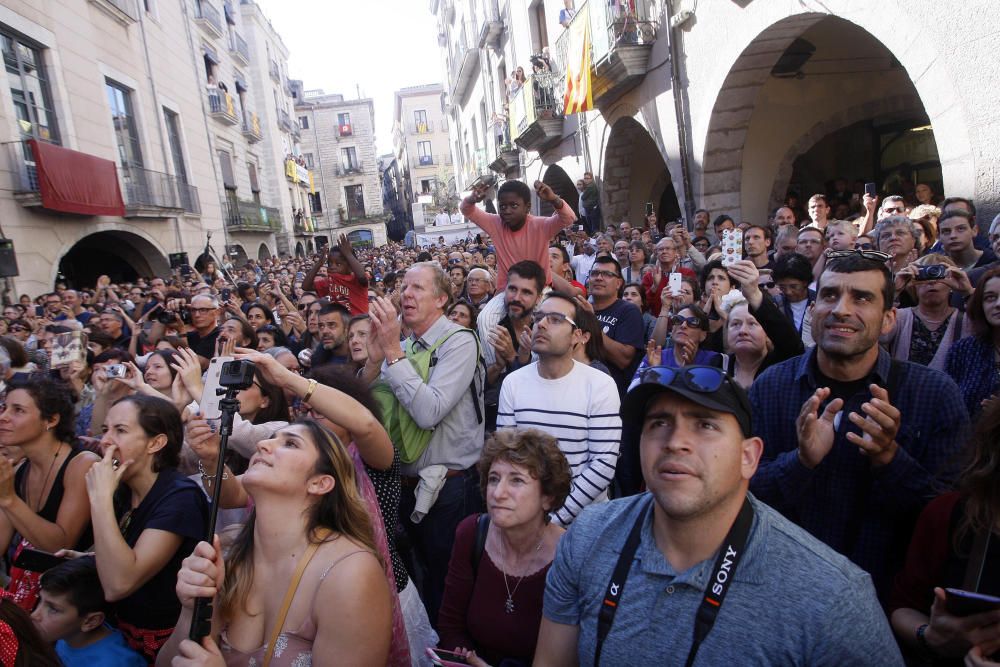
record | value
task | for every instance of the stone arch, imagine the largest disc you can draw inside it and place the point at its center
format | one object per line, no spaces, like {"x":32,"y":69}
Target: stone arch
{"x":560,"y":182}
{"x":121,"y":254}
{"x":263,"y":252}
{"x":722,"y":149}
{"x":635,"y":173}
{"x":839,"y":120}
{"x":299,"y":249}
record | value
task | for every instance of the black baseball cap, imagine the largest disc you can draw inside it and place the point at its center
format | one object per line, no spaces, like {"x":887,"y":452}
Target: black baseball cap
{"x":707,"y":386}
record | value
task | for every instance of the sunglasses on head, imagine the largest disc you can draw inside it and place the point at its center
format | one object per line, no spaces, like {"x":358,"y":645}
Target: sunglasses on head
{"x":702,"y":379}
{"x":873,"y":255}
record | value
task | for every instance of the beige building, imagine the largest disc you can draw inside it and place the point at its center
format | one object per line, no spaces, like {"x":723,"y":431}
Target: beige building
{"x":87,"y":111}
{"x":338,"y":143}
{"x":421,"y":148}
{"x":728,"y":105}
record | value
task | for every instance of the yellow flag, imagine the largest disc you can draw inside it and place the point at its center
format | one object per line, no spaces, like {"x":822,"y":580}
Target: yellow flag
{"x":579,"y":89}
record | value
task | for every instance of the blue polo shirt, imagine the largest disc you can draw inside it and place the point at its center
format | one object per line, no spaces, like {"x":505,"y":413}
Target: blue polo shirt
{"x":792,"y":601}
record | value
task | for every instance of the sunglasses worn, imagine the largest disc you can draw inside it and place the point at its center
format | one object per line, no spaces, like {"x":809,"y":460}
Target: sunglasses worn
{"x":873,"y":255}
{"x":864,"y":246}
{"x":552,"y":318}
{"x":692,"y":321}
{"x":768,"y":285}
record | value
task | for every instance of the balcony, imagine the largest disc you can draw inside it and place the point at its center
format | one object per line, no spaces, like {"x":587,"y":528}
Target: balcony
{"x":536,"y":108}
{"x":490,"y":25}
{"x":153,"y":194}
{"x":622,"y":39}
{"x":274,"y":72}
{"x":432,"y":160}
{"x":296,"y":173}
{"x":221,"y":107}
{"x":284,"y":121}
{"x":122,"y":11}
{"x":464,"y":61}
{"x":348,"y":170}
{"x":54,"y":178}
{"x":303,"y":224}
{"x":249,"y":216}
{"x":208,"y":18}
{"x":345,"y":130}
{"x":239,"y":49}
{"x":507,"y":160}
{"x":251,"y":127}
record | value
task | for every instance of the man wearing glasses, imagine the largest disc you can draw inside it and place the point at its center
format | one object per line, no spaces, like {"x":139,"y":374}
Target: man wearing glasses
{"x":620,"y":320}
{"x":569,"y":400}
{"x":698,"y":544}
{"x":855,"y":443}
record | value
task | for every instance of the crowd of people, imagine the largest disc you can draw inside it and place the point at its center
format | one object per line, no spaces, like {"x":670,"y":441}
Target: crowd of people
{"x":463,"y":449}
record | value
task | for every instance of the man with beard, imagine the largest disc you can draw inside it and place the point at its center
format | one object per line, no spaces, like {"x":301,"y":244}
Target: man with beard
{"x":855,"y":442}
{"x":620,"y":321}
{"x":704,"y":545}
{"x":569,"y":400}
{"x":505,"y":350}
{"x":332,"y":330}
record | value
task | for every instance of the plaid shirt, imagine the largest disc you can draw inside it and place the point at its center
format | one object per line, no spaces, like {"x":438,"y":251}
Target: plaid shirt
{"x":864,"y":513}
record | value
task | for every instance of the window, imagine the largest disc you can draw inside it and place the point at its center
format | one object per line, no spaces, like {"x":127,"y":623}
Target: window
{"x":254,"y":183}
{"x":355,"y":197}
{"x":226,"y":167}
{"x":349,"y":159}
{"x":424,"y":156}
{"x":123,"y":120}
{"x":304,"y":122}
{"x":420,"y":120}
{"x":29,"y":89}
{"x":172,"y":122}
{"x":308,"y":157}
{"x":425,"y":186}
{"x":315,"y":202}
{"x":536,"y":21}
{"x":344,"y":124}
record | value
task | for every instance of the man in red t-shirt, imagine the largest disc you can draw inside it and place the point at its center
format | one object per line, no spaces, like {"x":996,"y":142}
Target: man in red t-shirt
{"x":345,"y":283}
{"x":666,"y":263}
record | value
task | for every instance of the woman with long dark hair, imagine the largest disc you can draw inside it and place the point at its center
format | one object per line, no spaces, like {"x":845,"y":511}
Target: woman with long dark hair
{"x":43,"y":495}
{"x":957,"y":534}
{"x":146,"y":515}
{"x":972,"y":361}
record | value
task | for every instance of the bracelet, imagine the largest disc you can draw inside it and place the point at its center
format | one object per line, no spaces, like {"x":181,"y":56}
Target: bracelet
{"x":395,"y":361}
{"x":309,"y":390}
{"x":208,"y":478}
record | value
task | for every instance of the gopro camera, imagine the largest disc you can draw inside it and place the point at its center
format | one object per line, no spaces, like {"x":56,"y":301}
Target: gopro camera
{"x":237,"y":374}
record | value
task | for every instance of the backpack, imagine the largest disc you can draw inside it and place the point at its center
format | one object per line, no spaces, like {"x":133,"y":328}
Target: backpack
{"x":409,"y":438}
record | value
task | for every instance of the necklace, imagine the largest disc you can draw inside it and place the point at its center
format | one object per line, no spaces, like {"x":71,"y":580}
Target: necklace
{"x":41,"y":492}
{"x":509,"y":604}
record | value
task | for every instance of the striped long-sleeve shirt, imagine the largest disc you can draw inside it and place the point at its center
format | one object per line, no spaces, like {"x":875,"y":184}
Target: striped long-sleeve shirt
{"x":581,"y":410}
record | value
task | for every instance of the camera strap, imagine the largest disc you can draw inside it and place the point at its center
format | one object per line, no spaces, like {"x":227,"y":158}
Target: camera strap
{"x":718,"y":584}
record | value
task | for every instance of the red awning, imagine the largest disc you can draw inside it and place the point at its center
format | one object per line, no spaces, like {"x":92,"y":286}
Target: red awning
{"x":75,"y":182}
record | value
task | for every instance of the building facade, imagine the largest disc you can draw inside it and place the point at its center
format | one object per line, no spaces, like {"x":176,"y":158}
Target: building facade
{"x":338,"y":143}
{"x":421,"y":146}
{"x":726,"y":105}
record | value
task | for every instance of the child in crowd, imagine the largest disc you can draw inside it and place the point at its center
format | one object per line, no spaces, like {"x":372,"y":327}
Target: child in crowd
{"x":345,"y":282}
{"x":71,"y":612}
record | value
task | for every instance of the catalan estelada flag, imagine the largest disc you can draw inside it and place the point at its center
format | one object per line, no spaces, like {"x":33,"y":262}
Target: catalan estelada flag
{"x":579,"y":91}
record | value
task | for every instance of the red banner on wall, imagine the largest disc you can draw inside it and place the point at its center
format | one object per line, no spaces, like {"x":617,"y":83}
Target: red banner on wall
{"x":75,"y":182}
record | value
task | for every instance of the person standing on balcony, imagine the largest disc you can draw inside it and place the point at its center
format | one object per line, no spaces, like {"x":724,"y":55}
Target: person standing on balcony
{"x":566,"y":15}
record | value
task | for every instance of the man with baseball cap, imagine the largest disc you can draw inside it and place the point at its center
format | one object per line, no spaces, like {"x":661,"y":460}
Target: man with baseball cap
{"x":642,"y":580}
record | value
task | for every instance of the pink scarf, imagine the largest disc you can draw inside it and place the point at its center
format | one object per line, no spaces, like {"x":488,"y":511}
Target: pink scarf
{"x":399,"y":650}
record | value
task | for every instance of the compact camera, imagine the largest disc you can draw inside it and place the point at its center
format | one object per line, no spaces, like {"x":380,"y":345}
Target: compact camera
{"x":932,"y":272}
{"x":115,"y":371}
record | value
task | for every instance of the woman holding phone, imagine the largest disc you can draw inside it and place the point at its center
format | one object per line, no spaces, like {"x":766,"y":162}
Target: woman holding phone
{"x":43,"y":502}
{"x":954,"y":546}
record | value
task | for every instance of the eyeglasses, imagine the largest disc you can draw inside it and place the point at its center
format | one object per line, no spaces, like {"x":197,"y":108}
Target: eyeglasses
{"x":552,"y":318}
{"x":894,"y":209}
{"x":16,"y":329}
{"x":198,"y":311}
{"x":598,"y":273}
{"x":872,"y":255}
{"x":692,"y":321}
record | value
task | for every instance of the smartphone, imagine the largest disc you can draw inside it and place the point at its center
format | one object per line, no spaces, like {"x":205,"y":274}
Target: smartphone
{"x":226,"y":293}
{"x":34,"y":560}
{"x":649,"y":208}
{"x":966,"y":603}
{"x":578,"y":228}
{"x":870,"y":190}
{"x":446,"y":658}
{"x":39,"y":311}
{"x":732,"y":246}
{"x":674,"y":283}
{"x":210,"y":397}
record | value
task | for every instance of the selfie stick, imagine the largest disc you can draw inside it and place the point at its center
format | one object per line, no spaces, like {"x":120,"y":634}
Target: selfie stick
{"x":201,"y":620}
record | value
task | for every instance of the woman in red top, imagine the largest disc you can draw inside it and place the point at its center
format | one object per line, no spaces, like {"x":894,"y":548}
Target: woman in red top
{"x":492,"y":604}
{"x":947,"y":534}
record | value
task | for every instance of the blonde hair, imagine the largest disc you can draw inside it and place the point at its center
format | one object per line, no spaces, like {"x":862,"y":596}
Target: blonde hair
{"x":342,"y":511}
